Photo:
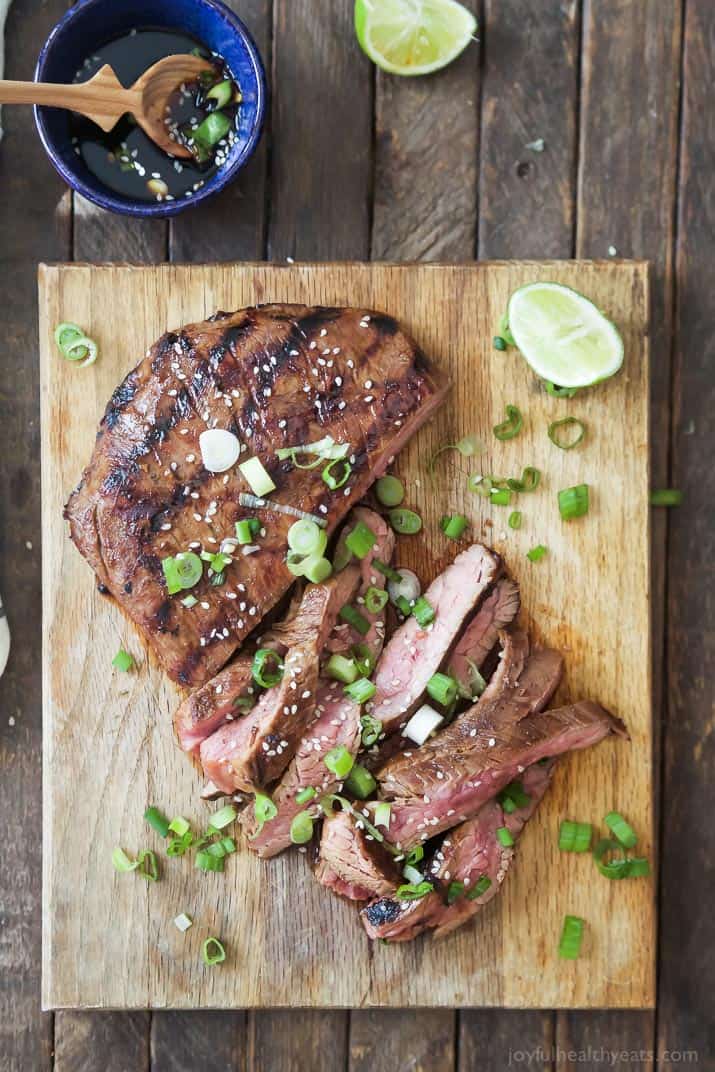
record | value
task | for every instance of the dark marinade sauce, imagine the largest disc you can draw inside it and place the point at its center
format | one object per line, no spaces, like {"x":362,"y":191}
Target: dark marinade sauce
{"x":126,"y":159}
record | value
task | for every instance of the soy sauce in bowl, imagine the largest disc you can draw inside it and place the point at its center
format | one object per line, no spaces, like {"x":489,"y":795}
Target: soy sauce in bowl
{"x":203,"y":117}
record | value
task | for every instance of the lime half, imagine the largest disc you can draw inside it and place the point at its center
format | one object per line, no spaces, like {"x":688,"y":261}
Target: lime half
{"x":563,"y":336}
{"x":411,"y":37}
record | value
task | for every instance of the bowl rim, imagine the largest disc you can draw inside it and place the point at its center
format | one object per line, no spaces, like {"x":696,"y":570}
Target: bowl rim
{"x":218,"y":181}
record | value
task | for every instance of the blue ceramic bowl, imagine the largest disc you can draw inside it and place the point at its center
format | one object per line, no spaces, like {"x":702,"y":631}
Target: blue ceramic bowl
{"x":91,"y":24}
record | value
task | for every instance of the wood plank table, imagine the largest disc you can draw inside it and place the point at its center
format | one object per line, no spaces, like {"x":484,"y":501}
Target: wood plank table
{"x":355,"y":165}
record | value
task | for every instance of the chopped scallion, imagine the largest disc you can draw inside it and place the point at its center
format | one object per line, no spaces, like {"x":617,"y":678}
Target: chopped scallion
{"x":504,"y":837}
{"x":267,"y":668}
{"x":157,"y":821}
{"x":574,"y":837}
{"x":123,"y":660}
{"x":424,"y":612}
{"x":148,"y":866}
{"x":390,"y":491}
{"x":530,"y":480}
{"x":360,"y":540}
{"x":566,"y":433}
{"x":622,"y":831}
{"x":263,"y":810}
{"x":305,"y":795}
{"x":341,"y":669}
{"x":454,"y":525}
{"x":383,"y":812}
{"x":571,"y":938}
{"x":479,"y":888}
{"x":361,"y":690}
{"x":443,"y":689}
{"x":371,"y":730}
{"x":223,"y":817}
{"x":375,"y":600}
{"x":559,"y":392}
{"x":256,"y":475}
{"x":514,"y":521}
{"x":121,"y":862}
{"x":500,"y":497}
{"x":511,"y":427}
{"x":337,"y":480}
{"x":410,"y":891}
{"x":666,"y":497}
{"x":213,"y":952}
{"x":301,"y":829}
{"x":573,"y":502}
{"x":179,"y":826}
{"x":360,"y":782}
{"x":536,"y":553}
{"x":387,"y":571}
{"x":405,"y":522}
{"x":338,"y":760}
{"x":354,"y":619}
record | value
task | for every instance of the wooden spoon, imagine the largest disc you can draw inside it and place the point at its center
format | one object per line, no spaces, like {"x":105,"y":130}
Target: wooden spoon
{"x":104,"y":100}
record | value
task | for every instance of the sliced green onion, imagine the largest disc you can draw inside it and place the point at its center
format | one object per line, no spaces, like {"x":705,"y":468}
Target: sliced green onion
{"x":386,"y":571}
{"x":360,"y":782}
{"x":182,"y":922}
{"x":500,"y":497}
{"x":83,"y":349}
{"x":570,"y":440}
{"x":390,"y":491}
{"x":468,"y":446}
{"x":177,"y":846}
{"x":536,"y":553}
{"x":322,"y":450}
{"x":371,"y":730}
{"x":573,"y":502}
{"x":214,"y":127}
{"x":247,"y":529}
{"x":504,"y":837}
{"x":559,"y":392}
{"x":148,"y":866}
{"x":514,"y":521}
{"x":454,"y":525}
{"x":217,"y":580}
{"x":499,"y":342}
{"x":221,"y":93}
{"x":639,"y":867}
{"x":361,"y":690}
{"x":189,"y":601}
{"x":480,"y":887}
{"x":343,"y":475}
{"x":66,"y":334}
{"x":415,"y":856}
{"x":574,"y":837}
{"x":339,"y":761}
{"x":376,"y":599}
{"x":213,"y":952}
{"x":360,"y":540}
{"x":121,"y":862}
{"x":301,"y":829}
{"x":341,"y":669}
{"x":223,"y":817}
{"x":406,"y":522}
{"x":354,"y":619}
{"x":511,"y":427}
{"x":123,"y":660}
{"x":179,"y":826}
{"x":411,"y":891}
{"x":217,"y":560}
{"x":307,"y":538}
{"x":481,"y":485}
{"x":455,"y":890}
{"x":253,"y":502}
{"x":244,"y":704}
{"x":571,"y":938}
{"x":666,"y":497}
{"x":267,"y":668}
{"x":622,"y":831}
{"x":477,"y":684}
{"x":424,"y":612}
{"x":157,"y":821}
{"x":364,"y":659}
{"x":530,"y":480}
{"x":621,"y":866}
{"x":305,"y":795}
{"x":253,"y":470}
{"x":403,"y":606}
{"x":513,"y":797}
{"x":443,"y":689}
{"x":216,"y":850}
{"x":263,"y":810}
{"x":317,"y":569}
{"x":182,"y":571}
{"x":383,"y":811}
{"x":412,"y":874}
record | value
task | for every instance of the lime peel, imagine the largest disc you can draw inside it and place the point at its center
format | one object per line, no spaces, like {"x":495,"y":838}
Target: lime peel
{"x":413,"y":37}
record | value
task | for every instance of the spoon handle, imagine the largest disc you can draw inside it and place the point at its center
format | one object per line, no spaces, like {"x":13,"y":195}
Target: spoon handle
{"x":103,"y":99}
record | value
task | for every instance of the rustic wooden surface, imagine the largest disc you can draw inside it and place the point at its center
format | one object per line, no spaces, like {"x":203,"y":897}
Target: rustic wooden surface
{"x":104,"y":919}
{"x":628,"y":169}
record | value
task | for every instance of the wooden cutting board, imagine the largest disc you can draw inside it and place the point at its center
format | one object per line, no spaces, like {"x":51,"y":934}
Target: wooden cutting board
{"x":109,"y":939}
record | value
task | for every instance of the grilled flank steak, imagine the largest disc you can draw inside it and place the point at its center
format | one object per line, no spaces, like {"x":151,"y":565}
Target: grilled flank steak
{"x":275,"y":376}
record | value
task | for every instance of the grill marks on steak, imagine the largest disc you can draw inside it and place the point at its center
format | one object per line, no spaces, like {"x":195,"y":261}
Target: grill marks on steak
{"x":468,"y":853}
{"x":265,"y":375}
{"x":414,"y":653}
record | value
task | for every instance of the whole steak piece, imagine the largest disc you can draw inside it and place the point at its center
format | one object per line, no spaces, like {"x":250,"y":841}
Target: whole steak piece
{"x":275,"y":376}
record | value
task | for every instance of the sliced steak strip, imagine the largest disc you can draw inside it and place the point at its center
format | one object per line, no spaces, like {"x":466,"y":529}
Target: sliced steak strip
{"x":354,"y":857}
{"x":250,"y":753}
{"x":214,"y":703}
{"x":344,"y":636}
{"x":468,"y":853}
{"x":497,"y":611}
{"x":485,"y":764}
{"x":310,"y":622}
{"x":352,"y":891}
{"x":257,"y":373}
{"x":337,"y":723}
{"x":414,"y":654}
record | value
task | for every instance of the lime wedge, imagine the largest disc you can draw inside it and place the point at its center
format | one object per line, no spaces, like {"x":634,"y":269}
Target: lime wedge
{"x":563,"y":336}
{"x":411,"y":37}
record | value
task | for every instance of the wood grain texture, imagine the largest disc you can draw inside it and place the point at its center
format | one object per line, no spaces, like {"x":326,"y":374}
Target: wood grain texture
{"x":529,"y":92}
{"x":297,"y":1040}
{"x":321,"y":163}
{"x":101,"y":1042}
{"x":588,"y":1040}
{"x":133,"y":758}
{"x":687,"y":978}
{"x":398,"y":1040}
{"x":189,"y":1041}
{"x":497,"y":1039}
{"x":426,"y":146}
{"x":33,"y":223}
